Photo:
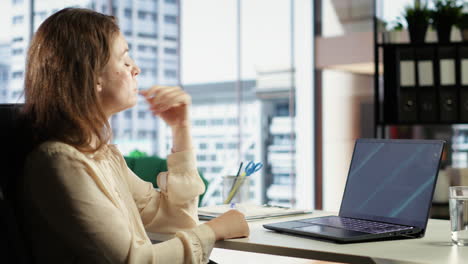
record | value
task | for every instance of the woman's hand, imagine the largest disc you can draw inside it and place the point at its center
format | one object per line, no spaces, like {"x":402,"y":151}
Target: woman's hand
{"x":231,"y":224}
{"x":171,"y":103}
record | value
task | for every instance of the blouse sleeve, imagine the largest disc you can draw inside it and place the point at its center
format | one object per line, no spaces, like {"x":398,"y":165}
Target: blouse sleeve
{"x":72,"y":201}
{"x":175,"y":206}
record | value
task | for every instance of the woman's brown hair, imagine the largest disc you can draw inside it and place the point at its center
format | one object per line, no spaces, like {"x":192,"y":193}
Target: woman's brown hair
{"x":65,"y":57}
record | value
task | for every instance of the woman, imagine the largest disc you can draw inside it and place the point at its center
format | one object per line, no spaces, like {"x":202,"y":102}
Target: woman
{"x":81,"y":203}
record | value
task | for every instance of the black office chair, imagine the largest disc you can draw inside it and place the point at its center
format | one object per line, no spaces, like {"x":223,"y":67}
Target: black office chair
{"x":13,"y":245}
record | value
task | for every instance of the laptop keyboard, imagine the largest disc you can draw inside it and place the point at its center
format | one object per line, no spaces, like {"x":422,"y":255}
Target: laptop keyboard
{"x":356,"y":224}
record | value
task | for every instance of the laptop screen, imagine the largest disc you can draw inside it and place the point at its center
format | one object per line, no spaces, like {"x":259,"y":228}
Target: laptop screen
{"x":392,"y":180}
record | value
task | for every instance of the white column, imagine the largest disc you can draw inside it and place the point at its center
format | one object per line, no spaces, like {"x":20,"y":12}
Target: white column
{"x":304,"y":79}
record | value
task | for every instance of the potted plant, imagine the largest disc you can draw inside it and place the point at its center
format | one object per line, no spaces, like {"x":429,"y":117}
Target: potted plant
{"x":417,"y":17}
{"x":463,"y":26}
{"x":445,"y":15}
{"x":397,"y":32}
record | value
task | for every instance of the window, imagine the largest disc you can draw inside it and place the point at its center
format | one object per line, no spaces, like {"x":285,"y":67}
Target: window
{"x":128,"y":13}
{"x":17,"y":75}
{"x":18,"y":20}
{"x":142,"y":134}
{"x":199,"y":122}
{"x":17,"y":39}
{"x":216,"y":169}
{"x":282,"y":109}
{"x":141,"y":14}
{"x":41,"y":15}
{"x":170,"y":38}
{"x":170,"y":19}
{"x":170,"y":74}
{"x":170,"y":51}
{"x":17,"y":51}
{"x":232,"y":121}
{"x":217,"y":122}
{"x":214,"y":117}
{"x":147,"y":35}
{"x":201,"y":157}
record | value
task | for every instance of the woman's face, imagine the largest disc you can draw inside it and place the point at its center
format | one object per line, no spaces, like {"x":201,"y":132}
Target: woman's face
{"x":117,"y":84}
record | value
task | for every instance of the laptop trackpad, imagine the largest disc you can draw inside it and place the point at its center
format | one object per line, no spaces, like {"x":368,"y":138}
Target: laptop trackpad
{"x":329,"y":231}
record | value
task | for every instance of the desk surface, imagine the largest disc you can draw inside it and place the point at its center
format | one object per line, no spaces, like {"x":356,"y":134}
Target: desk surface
{"x":435,"y":247}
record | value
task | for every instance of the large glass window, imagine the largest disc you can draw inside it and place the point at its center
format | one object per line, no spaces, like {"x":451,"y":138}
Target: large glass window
{"x":236,"y":64}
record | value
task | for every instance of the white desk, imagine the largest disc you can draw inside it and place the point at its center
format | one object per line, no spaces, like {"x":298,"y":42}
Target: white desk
{"x":435,"y":247}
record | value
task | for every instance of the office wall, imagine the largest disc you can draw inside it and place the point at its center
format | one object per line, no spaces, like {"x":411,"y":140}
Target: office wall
{"x":347,"y":107}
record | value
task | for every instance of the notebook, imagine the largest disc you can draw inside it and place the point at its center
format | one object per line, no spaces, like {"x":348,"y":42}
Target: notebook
{"x":251,"y":211}
{"x":388,"y":193}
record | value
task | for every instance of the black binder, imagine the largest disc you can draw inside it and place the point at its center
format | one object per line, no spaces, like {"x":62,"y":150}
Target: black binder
{"x":428,"y":112}
{"x":407,"y":92}
{"x":448,"y":91}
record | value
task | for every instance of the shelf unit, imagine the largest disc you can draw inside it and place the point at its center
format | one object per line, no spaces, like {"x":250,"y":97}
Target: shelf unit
{"x":423,"y":86}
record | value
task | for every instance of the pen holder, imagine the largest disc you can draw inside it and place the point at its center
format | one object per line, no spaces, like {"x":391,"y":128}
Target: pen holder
{"x":236,"y":189}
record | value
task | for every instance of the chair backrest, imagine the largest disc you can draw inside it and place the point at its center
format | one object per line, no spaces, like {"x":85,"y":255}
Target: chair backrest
{"x":11,"y":164}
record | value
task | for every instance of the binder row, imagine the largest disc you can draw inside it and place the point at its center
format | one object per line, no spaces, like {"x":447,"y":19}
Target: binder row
{"x":425,"y":83}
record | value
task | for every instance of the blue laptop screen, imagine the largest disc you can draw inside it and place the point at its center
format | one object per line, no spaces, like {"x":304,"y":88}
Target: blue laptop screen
{"x":392,"y":181}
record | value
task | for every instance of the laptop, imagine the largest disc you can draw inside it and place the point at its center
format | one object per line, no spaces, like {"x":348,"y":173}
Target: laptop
{"x":388,"y":193}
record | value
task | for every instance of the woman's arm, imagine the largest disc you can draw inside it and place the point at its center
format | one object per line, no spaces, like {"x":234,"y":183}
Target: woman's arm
{"x":174,"y":207}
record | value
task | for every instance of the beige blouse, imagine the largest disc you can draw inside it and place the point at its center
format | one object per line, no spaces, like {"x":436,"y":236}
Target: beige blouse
{"x":82,"y":209}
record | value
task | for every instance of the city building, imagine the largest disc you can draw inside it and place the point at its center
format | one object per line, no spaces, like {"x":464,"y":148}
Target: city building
{"x":216,"y":133}
{"x":4,"y":71}
{"x":152,"y":31}
{"x":266,"y":135}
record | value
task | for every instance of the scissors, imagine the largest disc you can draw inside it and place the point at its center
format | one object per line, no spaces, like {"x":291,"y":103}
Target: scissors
{"x":252,"y":168}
